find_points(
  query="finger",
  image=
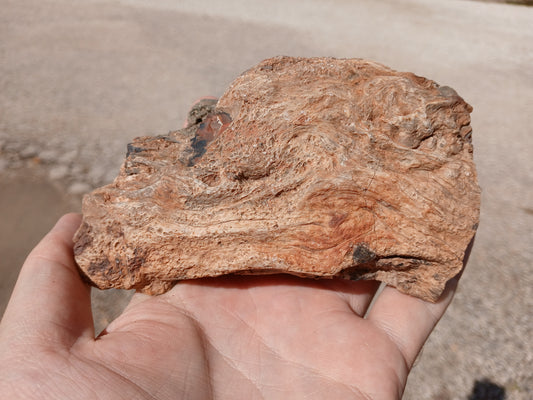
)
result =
(407, 320)
(50, 300)
(358, 295)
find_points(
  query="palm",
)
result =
(257, 337)
(234, 337)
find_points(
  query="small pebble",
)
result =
(13, 147)
(48, 155)
(76, 171)
(79, 188)
(68, 157)
(58, 172)
(29, 151)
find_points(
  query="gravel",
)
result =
(79, 81)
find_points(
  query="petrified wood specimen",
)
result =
(314, 167)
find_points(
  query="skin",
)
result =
(267, 337)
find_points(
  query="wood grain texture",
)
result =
(315, 167)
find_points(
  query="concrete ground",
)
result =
(78, 80)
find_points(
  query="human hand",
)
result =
(231, 337)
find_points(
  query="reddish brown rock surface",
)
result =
(313, 167)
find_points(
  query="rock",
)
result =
(68, 157)
(29, 151)
(200, 110)
(78, 188)
(14, 147)
(58, 172)
(49, 155)
(313, 167)
(77, 170)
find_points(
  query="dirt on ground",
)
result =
(78, 80)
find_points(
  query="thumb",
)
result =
(50, 300)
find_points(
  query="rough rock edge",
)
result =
(411, 273)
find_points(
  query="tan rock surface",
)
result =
(314, 167)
